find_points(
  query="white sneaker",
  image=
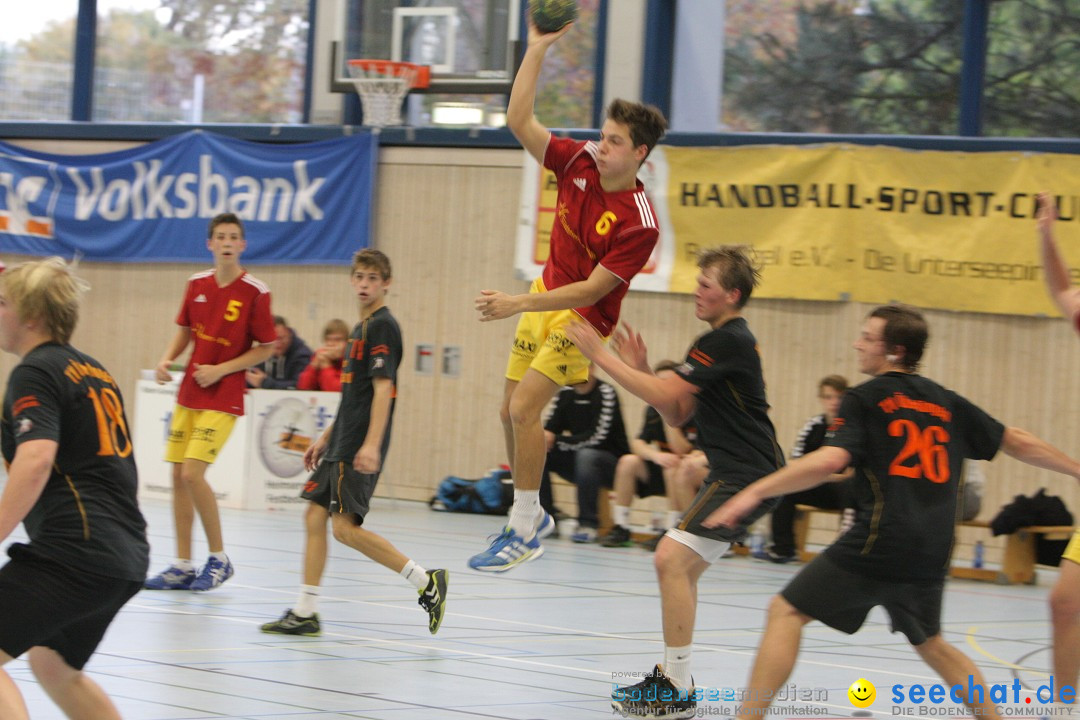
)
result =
(584, 535)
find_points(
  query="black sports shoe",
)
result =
(654, 697)
(780, 558)
(618, 536)
(652, 542)
(292, 624)
(433, 598)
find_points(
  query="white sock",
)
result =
(415, 574)
(220, 556)
(677, 665)
(525, 514)
(307, 602)
(673, 518)
(184, 564)
(621, 515)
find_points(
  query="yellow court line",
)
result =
(970, 636)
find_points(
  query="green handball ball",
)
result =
(551, 15)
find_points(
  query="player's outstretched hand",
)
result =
(1047, 214)
(730, 513)
(585, 338)
(628, 345)
(495, 305)
(546, 39)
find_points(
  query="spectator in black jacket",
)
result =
(831, 495)
(282, 370)
(585, 438)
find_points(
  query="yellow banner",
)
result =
(936, 229)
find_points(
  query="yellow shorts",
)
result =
(541, 344)
(197, 434)
(1072, 550)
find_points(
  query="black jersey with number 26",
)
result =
(908, 437)
(87, 515)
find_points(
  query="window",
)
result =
(843, 66)
(197, 61)
(37, 46)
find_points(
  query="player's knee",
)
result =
(340, 531)
(933, 648)
(50, 669)
(191, 475)
(780, 608)
(344, 527)
(315, 517)
(1064, 606)
(521, 414)
(628, 465)
(666, 561)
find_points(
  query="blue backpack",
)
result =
(492, 494)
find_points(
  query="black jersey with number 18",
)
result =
(908, 438)
(87, 515)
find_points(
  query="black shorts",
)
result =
(653, 484)
(338, 487)
(842, 599)
(56, 606)
(714, 493)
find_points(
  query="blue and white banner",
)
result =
(308, 203)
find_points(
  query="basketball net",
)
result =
(382, 85)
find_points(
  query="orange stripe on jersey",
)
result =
(380, 350)
(24, 403)
(701, 357)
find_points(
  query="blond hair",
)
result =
(45, 291)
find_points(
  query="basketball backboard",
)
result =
(470, 45)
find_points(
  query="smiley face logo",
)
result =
(862, 693)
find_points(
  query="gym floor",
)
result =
(546, 640)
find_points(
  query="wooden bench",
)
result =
(1017, 565)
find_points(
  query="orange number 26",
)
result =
(923, 453)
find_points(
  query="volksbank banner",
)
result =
(948, 230)
(301, 204)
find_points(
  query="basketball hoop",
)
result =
(382, 85)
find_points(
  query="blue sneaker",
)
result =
(213, 573)
(507, 551)
(171, 578)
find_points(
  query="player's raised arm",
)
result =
(519, 112)
(1055, 270)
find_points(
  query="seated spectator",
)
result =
(324, 370)
(831, 495)
(649, 469)
(283, 368)
(585, 438)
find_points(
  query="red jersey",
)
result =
(617, 230)
(225, 323)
